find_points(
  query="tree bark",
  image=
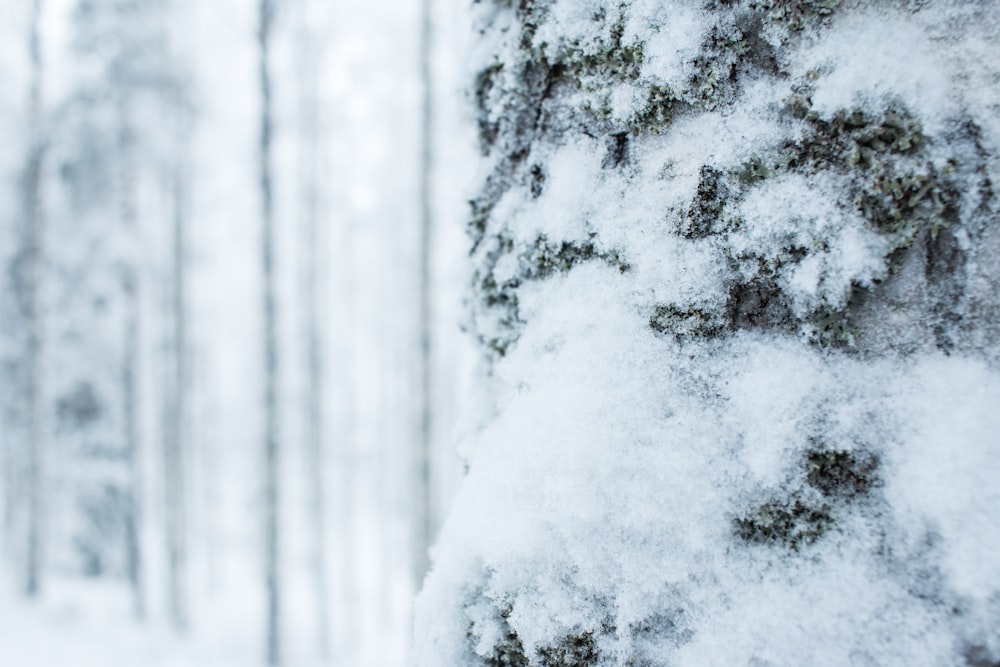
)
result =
(731, 260)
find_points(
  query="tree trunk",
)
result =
(424, 517)
(735, 282)
(28, 286)
(175, 418)
(272, 460)
(131, 357)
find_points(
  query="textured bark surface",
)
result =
(766, 230)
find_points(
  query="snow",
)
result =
(570, 21)
(671, 39)
(906, 67)
(616, 461)
(91, 625)
(944, 483)
(799, 211)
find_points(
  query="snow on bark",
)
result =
(736, 282)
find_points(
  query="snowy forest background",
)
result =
(231, 360)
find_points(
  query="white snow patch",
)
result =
(880, 67)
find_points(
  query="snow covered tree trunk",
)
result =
(27, 284)
(423, 516)
(130, 380)
(178, 451)
(271, 450)
(736, 276)
(175, 449)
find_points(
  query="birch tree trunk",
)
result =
(735, 281)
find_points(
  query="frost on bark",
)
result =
(735, 274)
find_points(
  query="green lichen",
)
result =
(791, 524)
(714, 78)
(509, 651)
(900, 204)
(897, 193)
(893, 185)
(685, 323)
(890, 183)
(481, 208)
(752, 172)
(850, 138)
(541, 259)
(656, 112)
(704, 215)
(758, 303)
(882, 157)
(896, 132)
(536, 261)
(483, 86)
(840, 473)
(834, 479)
(617, 153)
(611, 60)
(794, 13)
(575, 650)
(832, 327)
(753, 303)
